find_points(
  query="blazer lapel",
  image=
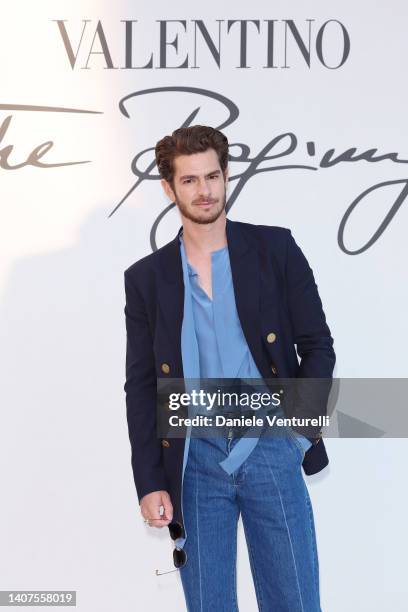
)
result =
(170, 292)
(245, 268)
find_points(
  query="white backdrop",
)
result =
(69, 517)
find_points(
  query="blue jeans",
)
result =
(269, 491)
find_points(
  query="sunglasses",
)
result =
(179, 554)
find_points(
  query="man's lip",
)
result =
(204, 203)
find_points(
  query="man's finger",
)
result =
(168, 507)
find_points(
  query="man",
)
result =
(224, 299)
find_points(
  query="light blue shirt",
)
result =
(222, 347)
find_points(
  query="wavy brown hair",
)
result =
(185, 141)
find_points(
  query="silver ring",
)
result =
(147, 521)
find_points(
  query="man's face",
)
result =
(199, 186)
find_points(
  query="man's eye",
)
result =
(213, 176)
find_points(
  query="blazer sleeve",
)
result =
(141, 395)
(312, 336)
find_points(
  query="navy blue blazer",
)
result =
(275, 291)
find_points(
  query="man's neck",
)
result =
(204, 238)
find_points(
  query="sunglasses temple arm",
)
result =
(159, 573)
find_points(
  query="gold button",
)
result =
(274, 370)
(165, 368)
(271, 337)
(165, 443)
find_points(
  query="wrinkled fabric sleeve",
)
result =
(141, 395)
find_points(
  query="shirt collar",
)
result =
(191, 271)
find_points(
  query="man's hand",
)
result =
(150, 505)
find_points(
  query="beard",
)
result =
(202, 217)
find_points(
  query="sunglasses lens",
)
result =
(179, 557)
(176, 531)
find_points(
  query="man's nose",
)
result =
(204, 187)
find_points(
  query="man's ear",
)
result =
(168, 190)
